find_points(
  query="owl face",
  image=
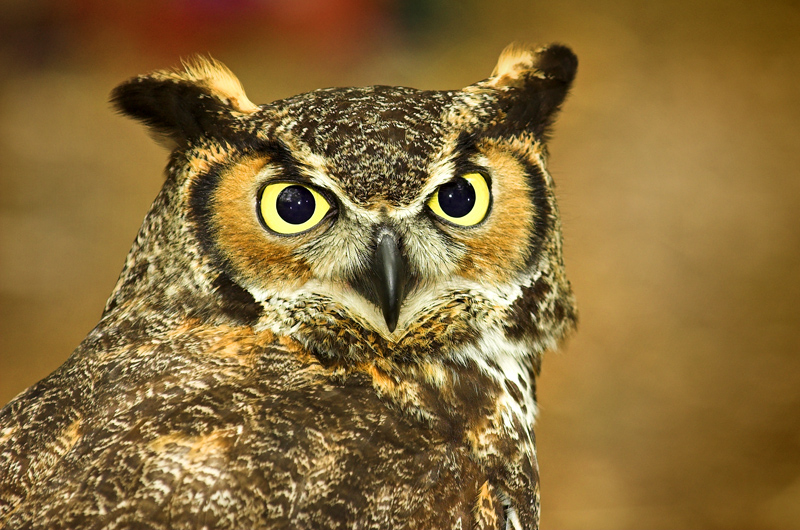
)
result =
(361, 220)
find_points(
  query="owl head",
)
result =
(367, 221)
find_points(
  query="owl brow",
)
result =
(279, 154)
(466, 143)
(465, 153)
(462, 159)
(307, 168)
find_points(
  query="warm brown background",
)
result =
(677, 405)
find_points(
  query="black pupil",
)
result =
(295, 204)
(457, 198)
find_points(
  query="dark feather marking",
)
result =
(236, 302)
(514, 391)
(523, 309)
(543, 212)
(531, 104)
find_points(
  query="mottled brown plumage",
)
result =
(376, 369)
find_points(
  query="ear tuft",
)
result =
(555, 62)
(182, 105)
(532, 84)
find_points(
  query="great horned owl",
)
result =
(333, 316)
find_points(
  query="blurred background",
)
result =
(677, 404)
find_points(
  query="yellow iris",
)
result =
(463, 201)
(291, 208)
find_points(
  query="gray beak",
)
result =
(389, 274)
(385, 283)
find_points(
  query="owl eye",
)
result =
(290, 208)
(463, 201)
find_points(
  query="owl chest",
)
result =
(345, 445)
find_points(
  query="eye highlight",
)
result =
(463, 201)
(290, 208)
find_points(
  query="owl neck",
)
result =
(479, 393)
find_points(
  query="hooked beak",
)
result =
(385, 283)
(389, 271)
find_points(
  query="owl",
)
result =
(333, 316)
